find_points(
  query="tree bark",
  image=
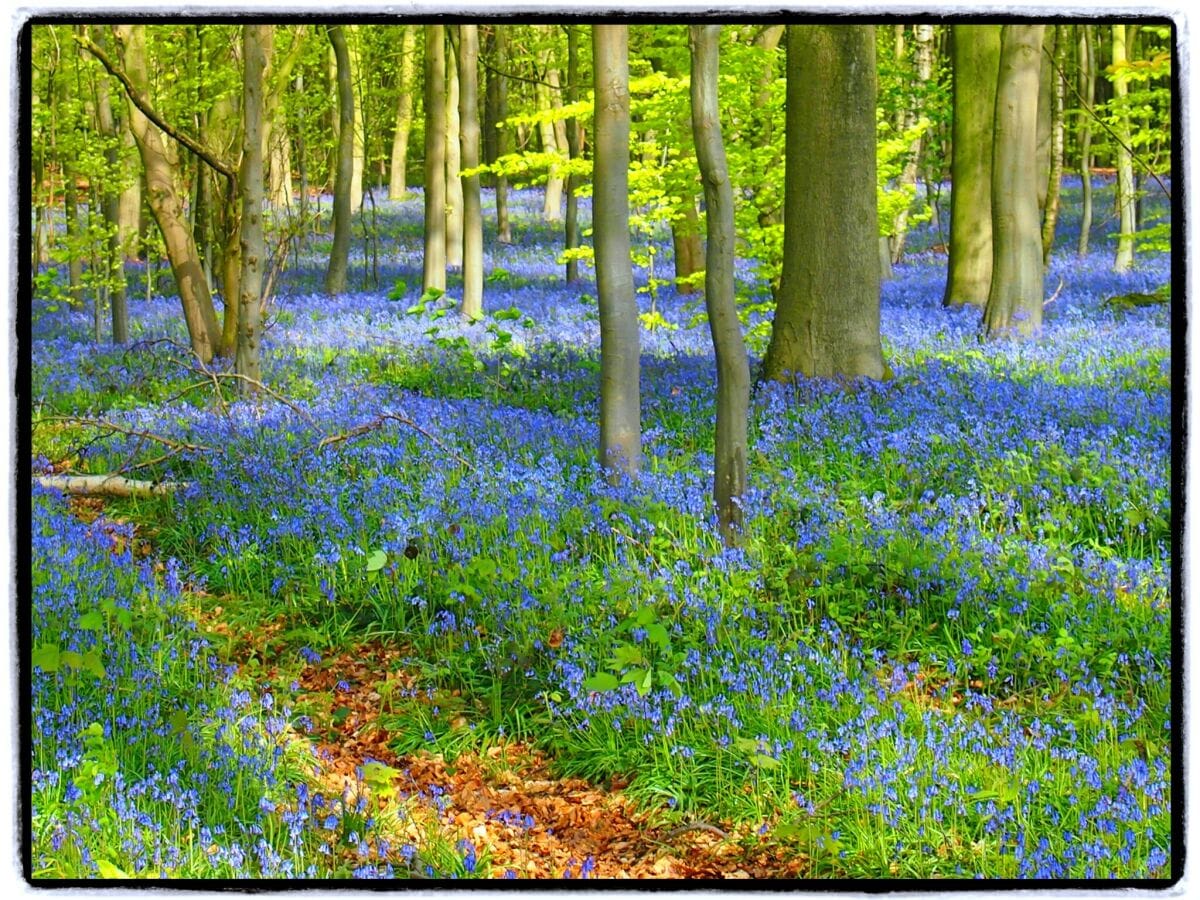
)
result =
(1053, 188)
(571, 237)
(198, 312)
(434, 270)
(1087, 90)
(733, 368)
(256, 51)
(620, 351)
(503, 227)
(1015, 296)
(468, 85)
(398, 171)
(976, 61)
(1125, 183)
(343, 201)
(923, 38)
(108, 485)
(827, 307)
(454, 185)
(119, 296)
(552, 199)
(357, 126)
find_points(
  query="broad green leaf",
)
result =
(45, 657)
(91, 621)
(70, 659)
(376, 560)
(601, 682)
(94, 663)
(657, 634)
(108, 870)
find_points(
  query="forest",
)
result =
(489, 449)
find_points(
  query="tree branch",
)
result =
(143, 104)
(108, 485)
(381, 420)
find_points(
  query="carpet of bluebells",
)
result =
(943, 648)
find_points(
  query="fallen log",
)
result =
(108, 485)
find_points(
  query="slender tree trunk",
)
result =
(398, 172)
(1087, 90)
(358, 126)
(827, 308)
(256, 51)
(923, 38)
(434, 273)
(1015, 298)
(552, 200)
(198, 311)
(688, 248)
(468, 85)
(733, 368)
(1058, 74)
(111, 201)
(130, 211)
(343, 190)
(73, 243)
(454, 185)
(976, 58)
(620, 351)
(572, 227)
(1125, 182)
(503, 228)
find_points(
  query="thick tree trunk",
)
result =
(434, 271)
(827, 308)
(454, 185)
(620, 351)
(468, 79)
(256, 51)
(1125, 183)
(398, 171)
(1058, 75)
(733, 368)
(1087, 90)
(343, 191)
(165, 205)
(976, 59)
(1015, 298)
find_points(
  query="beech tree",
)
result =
(468, 55)
(256, 50)
(827, 306)
(1015, 295)
(975, 51)
(339, 255)
(733, 368)
(434, 273)
(620, 349)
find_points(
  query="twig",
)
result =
(262, 387)
(380, 420)
(695, 826)
(177, 446)
(1054, 296)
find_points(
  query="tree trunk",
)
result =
(975, 53)
(343, 190)
(1087, 90)
(357, 126)
(1015, 296)
(923, 38)
(256, 51)
(468, 85)
(434, 271)
(112, 212)
(130, 211)
(620, 351)
(733, 368)
(198, 311)
(503, 228)
(1125, 183)
(1045, 105)
(1058, 74)
(827, 308)
(552, 200)
(398, 172)
(454, 185)
(688, 248)
(571, 237)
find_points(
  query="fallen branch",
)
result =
(108, 485)
(1057, 291)
(382, 419)
(177, 446)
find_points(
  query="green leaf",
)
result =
(70, 659)
(45, 657)
(601, 682)
(657, 634)
(108, 870)
(92, 662)
(91, 621)
(762, 761)
(376, 560)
